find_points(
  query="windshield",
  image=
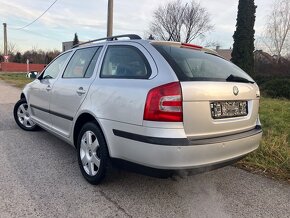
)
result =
(192, 65)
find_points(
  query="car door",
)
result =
(70, 90)
(40, 90)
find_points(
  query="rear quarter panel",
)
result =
(123, 100)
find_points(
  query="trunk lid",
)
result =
(197, 114)
(219, 98)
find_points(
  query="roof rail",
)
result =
(111, 38)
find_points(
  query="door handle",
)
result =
(81, 91)
(48, 88)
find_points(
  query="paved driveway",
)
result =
(39, 176)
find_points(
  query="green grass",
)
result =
(273, 156)
(17, 79)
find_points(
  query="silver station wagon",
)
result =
(162, 105)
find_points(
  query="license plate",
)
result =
(227, 109)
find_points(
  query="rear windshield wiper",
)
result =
(233, 78)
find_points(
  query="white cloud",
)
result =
(88, 19)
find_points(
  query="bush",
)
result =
(276, 88)
(260, 79)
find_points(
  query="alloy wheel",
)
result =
(24, 116)
(89, 153)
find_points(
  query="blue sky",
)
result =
(88, 19)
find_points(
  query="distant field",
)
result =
(273, 156)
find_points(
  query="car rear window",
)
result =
(194, 65)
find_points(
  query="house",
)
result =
(259, 55)
(225, 53)
(263, 57)
(67, 45)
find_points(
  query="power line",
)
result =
(20, 28)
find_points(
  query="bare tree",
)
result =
(196, 21)
(167, 21)
(211, 44)
(277, 32)
(34, 48)
(12, 49)
(176, 21)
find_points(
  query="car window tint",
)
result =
(92, 65)
(192, 65)
(55, 67)
(79, 63)
(125, 62)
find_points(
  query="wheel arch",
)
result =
(81, 120)
(22, 96)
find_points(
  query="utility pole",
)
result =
(110, 18)
(5, 40)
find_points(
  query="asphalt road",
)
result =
(39, 177)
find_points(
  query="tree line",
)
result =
(36, 56)
(33, 55)
(39, 56)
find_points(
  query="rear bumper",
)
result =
(186, 141)
(184, 153)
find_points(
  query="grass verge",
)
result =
(16, 79)
(273, 156)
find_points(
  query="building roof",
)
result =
(264, 56)
(225, 53)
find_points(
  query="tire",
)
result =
(22, 116)
(93, 155)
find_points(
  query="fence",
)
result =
(17, 67)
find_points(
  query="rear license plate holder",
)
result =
(228, 109)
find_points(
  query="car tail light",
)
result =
(164, 103)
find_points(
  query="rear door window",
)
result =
(124, 61)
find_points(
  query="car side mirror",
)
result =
(39, 76)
